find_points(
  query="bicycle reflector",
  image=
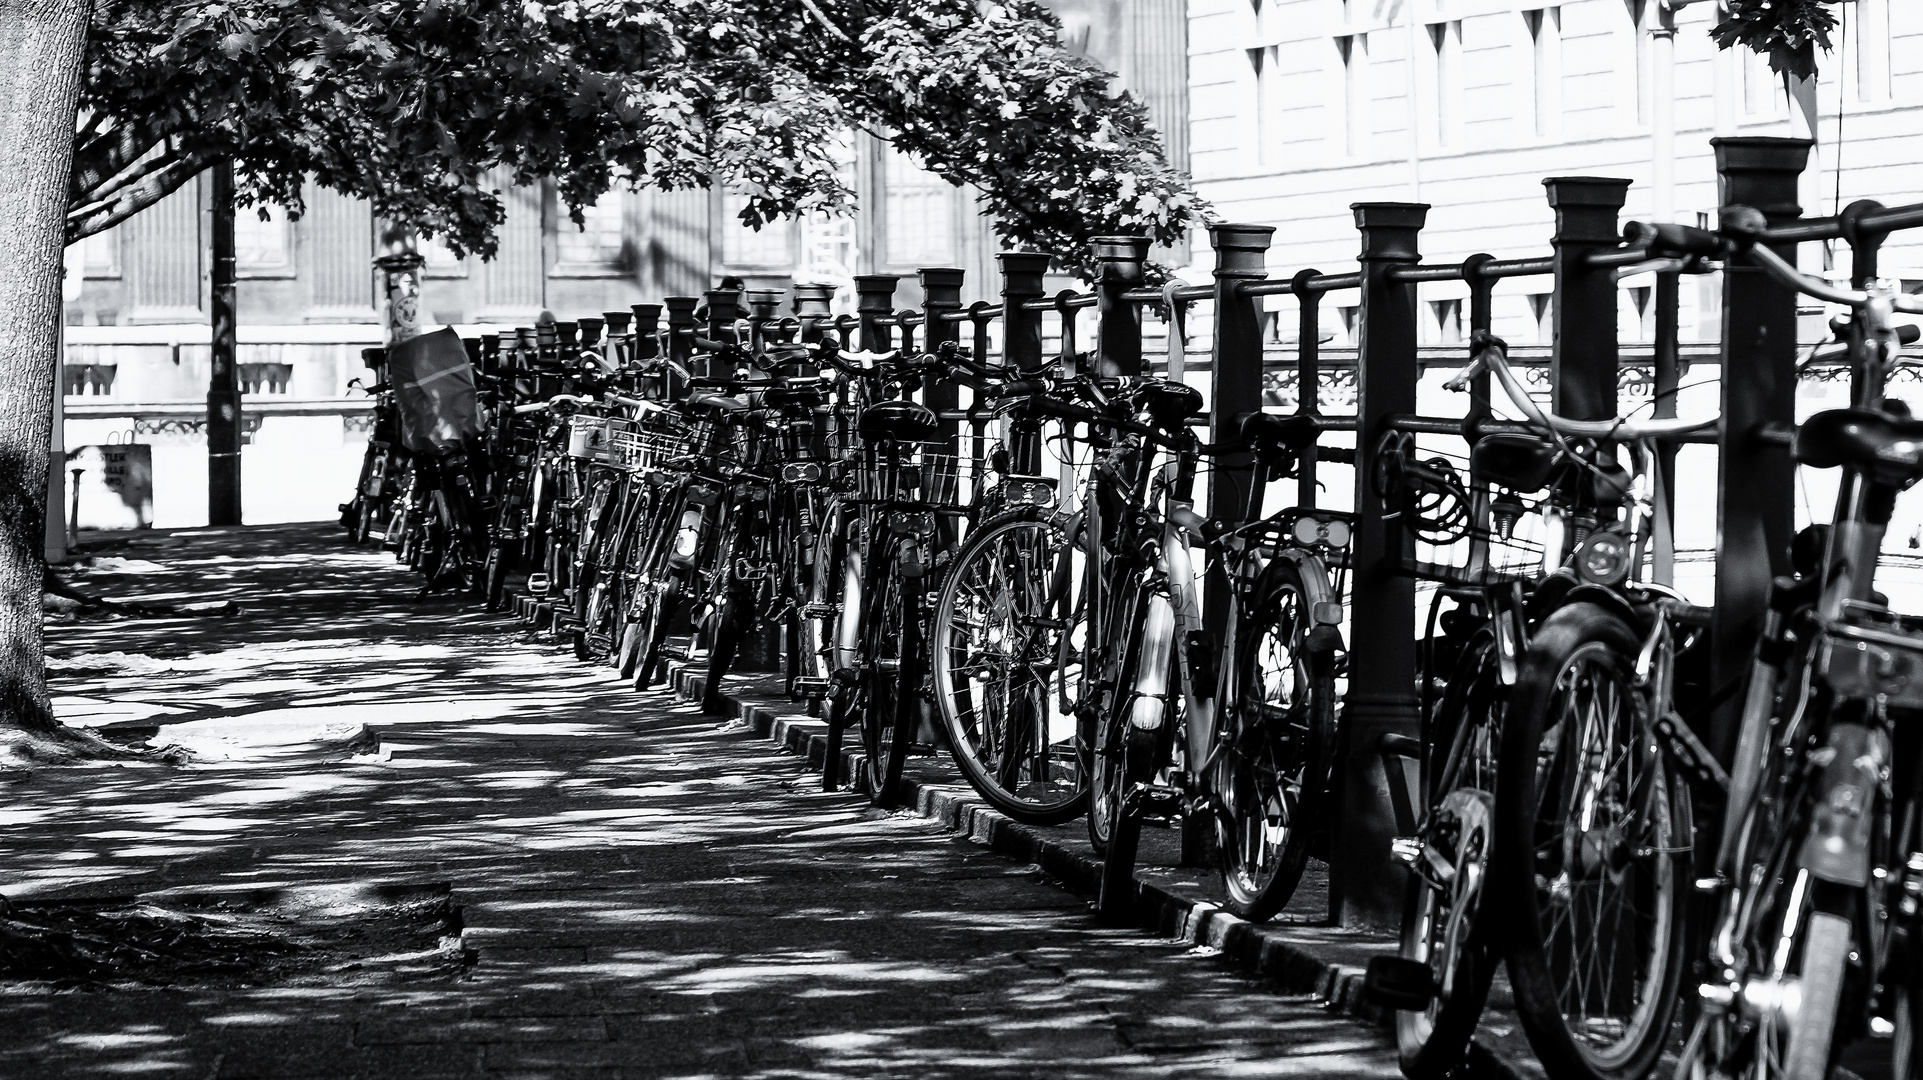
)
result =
(1603, 559)
(1310, 531)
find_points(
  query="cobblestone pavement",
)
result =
(644, 892)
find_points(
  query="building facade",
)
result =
(1301, 107)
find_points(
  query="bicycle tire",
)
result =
(1115, 901)
(1105, 739)
(887, 696)
(1583, 656)
(979, 606)
(1271, 748)
(1431, 1043)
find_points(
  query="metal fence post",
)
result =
(1365, 886)
(941, 288)
(1118, 337)
(812, 305)
(1022, 330)
(724, 307)
(1582, 364)
(1754, 478)
(874, 301)
(681, 326)
(1241, 258)
(647, 325)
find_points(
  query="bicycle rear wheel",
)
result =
(1594, 837)
(1441, 924)
(1005, 625)
(889, 680)
(1274, 759)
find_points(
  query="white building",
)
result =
(1300, 107)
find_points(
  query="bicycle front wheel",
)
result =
(1278, 741)
(1594, 836)
(1006, 624)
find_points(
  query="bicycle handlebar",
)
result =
(1492, 352)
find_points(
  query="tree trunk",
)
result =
(42, 46)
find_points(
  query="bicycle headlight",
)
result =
(1603, 559)
(1310, 531)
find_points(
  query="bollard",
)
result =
(724, 307)
(1365, 886)
(647, 330)
(813, 304)
(681, 325)
(761, 305)
(1241, 253)
(875, 301)
(1583, 357)
(1118, 334)
(1235, 390)
(1022, 273)
(941, 288)
(1754, 478)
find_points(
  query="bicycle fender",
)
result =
(1842, 815)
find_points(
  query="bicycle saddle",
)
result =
(1168, 404)
(1521, 463)
(899, 421)
(1270, 433)
(1889, 448)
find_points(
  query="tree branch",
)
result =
(133, 199)
(99, 160)
(146, 166)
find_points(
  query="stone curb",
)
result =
(1259, 950)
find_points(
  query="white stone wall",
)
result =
(1295, 144)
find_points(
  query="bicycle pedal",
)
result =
(1393, 982)
(819, 611)
(677, 650)
(1406, 850)
(537, 584)
(808, 687)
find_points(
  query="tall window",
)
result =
(100, 254)
(1353, 52)
(771, 248)
(1763, 91)
(1866, 34)
(918, 213)
(1265, 64)
(599, 243)
(1442, 64)
(1544, 29)
(441, 260)
(261, 247)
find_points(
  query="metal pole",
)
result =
(1022, 330)
(1755, 515)
(223, 376)
(875, 300)
(1118, 338)
(1582, 364)
(1365, 886)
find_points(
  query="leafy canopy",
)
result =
(412, 105)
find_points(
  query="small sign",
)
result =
(115, 486)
